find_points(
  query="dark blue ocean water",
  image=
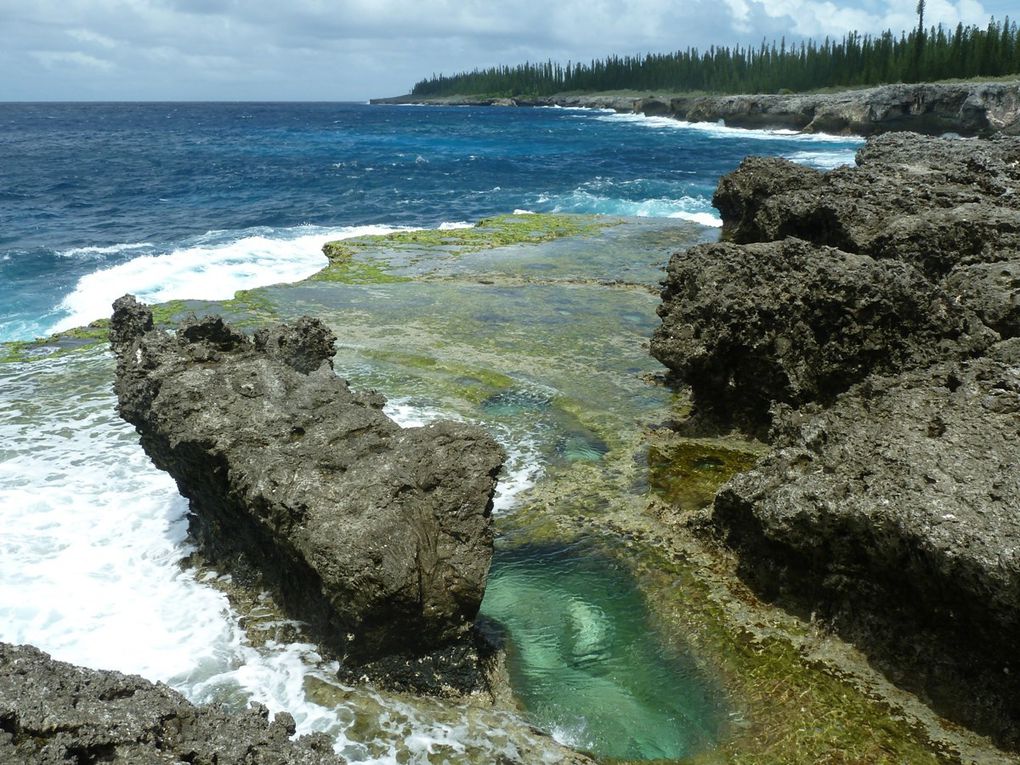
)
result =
(197, 200)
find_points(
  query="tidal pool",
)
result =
(585, 662)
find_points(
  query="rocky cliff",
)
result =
(865, 322)
(378, 538)
(968, 109)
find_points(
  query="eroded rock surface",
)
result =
(54, 713)
(865, 322)
(895, 515)
(788, 321)
(378, 537)
(911, 257)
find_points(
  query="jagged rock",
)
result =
(870, 316)
(934, 109)
(378, 537)
(970, 109)
(895, 515)
(53, 713)
(748, 326)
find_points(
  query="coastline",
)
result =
(968, 109)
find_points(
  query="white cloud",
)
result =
(70, 59)
(337, 49)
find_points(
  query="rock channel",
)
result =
(378, 538)
(866, 321)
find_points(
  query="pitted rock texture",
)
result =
(53, 713)
(936, 220)
(378, 538)
(749, 325)
(894, 514)
(866, 322)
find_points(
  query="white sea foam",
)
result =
(96, 252)
(454, 225)
(586, 200)
(823, 160)
(719, 130)
(210, 267)
(93, 536)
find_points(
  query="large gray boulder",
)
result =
(378, 538)
(935, 202)
(866, 322)
(747, 326)
(894, 515)
(54, 713)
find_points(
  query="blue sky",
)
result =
(356, 49)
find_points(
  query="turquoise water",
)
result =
(586, 663)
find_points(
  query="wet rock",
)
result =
(378, 537)
(53, 712)
(748, 326)
(893, 514)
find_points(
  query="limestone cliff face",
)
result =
(378, 537)
(969, 109)
(866, 322)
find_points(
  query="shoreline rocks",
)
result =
(378, 538)
(864, 322)
(969, 109)
(54, 712)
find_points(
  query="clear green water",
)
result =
(586, 664)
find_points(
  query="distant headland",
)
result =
(965, 108)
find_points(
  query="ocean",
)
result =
(197, 201)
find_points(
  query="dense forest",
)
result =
(920, 56)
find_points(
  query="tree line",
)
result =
(855, 60)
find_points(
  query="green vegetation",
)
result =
(856, 60)
(498, 231)
(59, 344)
(349, 262)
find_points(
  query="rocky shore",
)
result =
(968, 109)
(378, 538)
(54, 712)
(866, 323)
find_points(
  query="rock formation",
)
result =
(378, 538)
(968, 109)
(53, 712)
(865, 321)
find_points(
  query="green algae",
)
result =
(687, 473)
(58, 344)
(486, 234)
(357, 272)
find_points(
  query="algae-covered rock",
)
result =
(379, 538)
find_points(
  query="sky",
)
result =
(352, 50)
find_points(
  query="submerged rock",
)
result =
(53, 712)
(865, 321)
(378, 537)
